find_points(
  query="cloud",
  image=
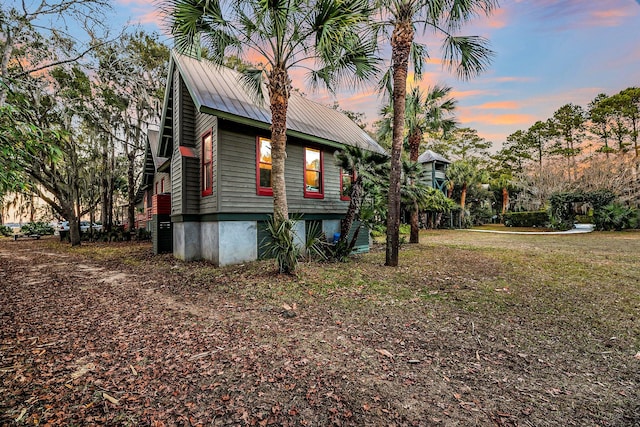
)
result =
(462, 94)
(498, 105)
(466, 116)
(498, 19)
(573, 14)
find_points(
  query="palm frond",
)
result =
(252, 80)
(468, 56)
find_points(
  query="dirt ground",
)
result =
(111, 335)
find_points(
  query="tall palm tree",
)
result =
(281, 35)
(468, 55)
(426, 113)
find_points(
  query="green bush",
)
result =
(405, 229)
(6, 231)
(143, 234)
(279, 244)
(584, 219)
(41, 228)
(615, 217)
(526, 219)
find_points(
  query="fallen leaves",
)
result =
(384, 352)
(110, 398)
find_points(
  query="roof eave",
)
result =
(266, 126)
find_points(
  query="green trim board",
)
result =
(247, 217)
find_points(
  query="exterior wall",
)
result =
(157, 179)
(435, 172)
(185, 171)
(234, 242)
(205, 123)
(237, 178)
(186, 241)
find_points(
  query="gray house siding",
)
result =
(205, 123)
(191, 179)
(237, 178)
(176, 181)
(187, 111)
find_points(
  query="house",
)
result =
(215, 137)
(435, 166)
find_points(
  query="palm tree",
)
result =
(281, 35)
(368, 170)
(467, 55)
(430, 113)
(461, 173)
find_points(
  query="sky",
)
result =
(547, 53)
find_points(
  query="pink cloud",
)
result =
(461, 94)
(498, 19)
(498, 105)
(496, 119)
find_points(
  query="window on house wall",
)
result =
(263, 167)
(162, 185)
(346, 180)
(313, 173)
(156, 188)
(207, 164)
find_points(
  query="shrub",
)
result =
(5, 231)
(615, 217)
(405, 229)
(143, 234)
(279, 244)
(316, 246)
(41, 228)
(584, 219)
(526, 219)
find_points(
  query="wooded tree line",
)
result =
(74, 114)
(577, 149)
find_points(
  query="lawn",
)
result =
(471, 329)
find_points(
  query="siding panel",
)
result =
(204, 123)
(237, 158)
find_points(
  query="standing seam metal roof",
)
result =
(219, 89)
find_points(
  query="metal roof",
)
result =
(430, 156)
(218, 88)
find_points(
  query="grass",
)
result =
(501, 227)
(538, 312)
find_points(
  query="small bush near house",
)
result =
(5, 231)
(41, 228)
(280, 244)
(616, 217)
(526, 219)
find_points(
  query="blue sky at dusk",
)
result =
(547, 53)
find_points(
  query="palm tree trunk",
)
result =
(414, 236)
(279, 89)
(505, 201)
(401, 45)
(352, 211)
(463, 200)
(414, 153)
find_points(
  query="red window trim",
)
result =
(162, 185)
(312, 194)
(206, 191)
(353, 178)
(262, 191)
